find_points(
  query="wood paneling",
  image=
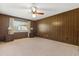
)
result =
(20, 35)
(3, 27)
(63, 27)
(34, 29)
(4, 24)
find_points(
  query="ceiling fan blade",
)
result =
(40, 13)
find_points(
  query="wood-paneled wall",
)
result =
(62, 27)
(3, 27)
(34, 29)
(20, 35)
(4, 24)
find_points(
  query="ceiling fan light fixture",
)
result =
(33, 15)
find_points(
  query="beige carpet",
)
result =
(37, 47)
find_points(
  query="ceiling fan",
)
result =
(36, 11)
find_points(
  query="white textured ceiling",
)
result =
(23, 9)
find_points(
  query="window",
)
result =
(20, 26)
